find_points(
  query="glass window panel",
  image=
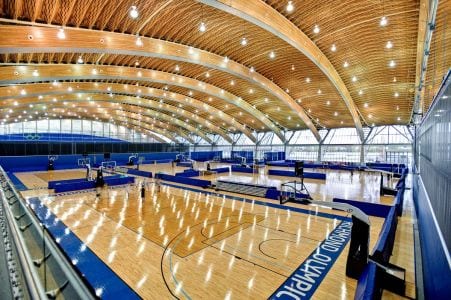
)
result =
(86, 126)
(66, 126)
(342, 136)
(338, 153)
(29, 127)
(76, 126)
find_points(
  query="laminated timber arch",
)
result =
(88, 41)
(149, 130)
(59, 72)
(264, 16)
(123, 117)
(99, 88)
(140, 103)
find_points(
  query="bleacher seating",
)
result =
(243, 188)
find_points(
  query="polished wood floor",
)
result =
(195, 246)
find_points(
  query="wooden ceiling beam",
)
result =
(70, 72)
(101, 99)
(43, 89)
(263, 15)
(147, 127)
(89, 41)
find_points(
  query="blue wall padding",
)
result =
(310, 175)
(433, 251)
(372, 209)
(368, 284)
(384, 246)
(51, 184)
(387, 167)
(184, 180)
(221, 170)
(272, 194)
(97, 274)
(185, 164)
(140, 173)
(274, 156)
(82, 184)
(249, 155)
(40, 162)
(75, 186)
(188, 173)
(112, 180)
(205, 155)
(240, 169)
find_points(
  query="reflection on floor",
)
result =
(192, 245)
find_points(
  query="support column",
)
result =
(319, 153)
(362, 153)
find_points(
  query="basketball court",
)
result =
(191, 243)
(225, 149)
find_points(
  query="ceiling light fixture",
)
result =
(333, 48)
(392, 64)
(290, 6)
(316, 29)
(345, 64)
(389, 45)
(61, 35)
(134, 12)
(384, 21)
(139, 41)
(202, 27)
(272, 55)
(80, 60)
(243, 41)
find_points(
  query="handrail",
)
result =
(35, 290)
(33, 281)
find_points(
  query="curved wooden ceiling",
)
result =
(287, 77)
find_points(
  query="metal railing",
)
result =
(39, 269)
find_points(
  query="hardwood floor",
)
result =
(191, 245)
